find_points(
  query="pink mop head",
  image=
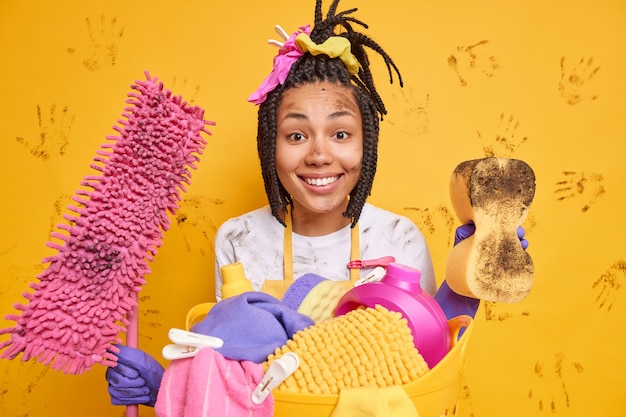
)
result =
(81, 303)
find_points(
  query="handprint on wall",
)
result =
(186, 89)
(550, 392)
(580, 185)
(438, 221)
(574, 84)
(609, 283)
(506, 140)
(493, 312)
(104, 39)
(54, 133)
(414, 110)
(149, 318)
(191, 217)
(469, 59)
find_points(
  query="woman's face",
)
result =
(319, 146)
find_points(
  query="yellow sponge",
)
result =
(365, 347)
(496, 194)
(320, 303)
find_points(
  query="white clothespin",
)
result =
(186, 344)
(278, 371)
(376, 275)
(282, 34)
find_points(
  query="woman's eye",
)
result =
(296, 136)
(341, 135)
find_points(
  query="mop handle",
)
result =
(132, 340)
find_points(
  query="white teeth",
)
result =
(321, 181)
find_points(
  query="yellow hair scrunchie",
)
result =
(334, 47)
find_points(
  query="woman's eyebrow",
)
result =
(340, 113)
(295, 115)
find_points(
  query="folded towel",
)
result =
(209, 385)
(252, 325)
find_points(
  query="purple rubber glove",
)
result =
(521, 233)
(465, 231)
(136, 378)
(453, 304)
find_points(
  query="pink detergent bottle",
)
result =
(399, 290)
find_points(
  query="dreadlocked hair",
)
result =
(311, 69)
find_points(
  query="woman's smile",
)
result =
(321, 182)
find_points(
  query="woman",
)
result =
(317, 143)
(318, 128)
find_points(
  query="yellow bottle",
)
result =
(234, 281)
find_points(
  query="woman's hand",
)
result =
(136, 378)
(465, 231)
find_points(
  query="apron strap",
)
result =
(288, 247)
(355, 252)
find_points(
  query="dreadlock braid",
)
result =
(310, 69)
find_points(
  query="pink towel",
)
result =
(209, 385)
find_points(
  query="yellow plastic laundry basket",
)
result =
(435, 394)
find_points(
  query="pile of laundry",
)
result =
(251, 343)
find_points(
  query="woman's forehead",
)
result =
(330, 94)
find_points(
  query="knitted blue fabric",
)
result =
(252, 325)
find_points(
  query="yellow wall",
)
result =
(539, 81)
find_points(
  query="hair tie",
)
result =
(334, 47)
(293, 48)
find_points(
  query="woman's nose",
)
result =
(319, 153)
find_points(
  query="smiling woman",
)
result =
(530, 94)
(317, 141)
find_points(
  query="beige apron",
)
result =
(277, 287)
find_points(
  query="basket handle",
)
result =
(457, 324)
(196, 311)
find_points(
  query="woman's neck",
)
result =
(307, 223)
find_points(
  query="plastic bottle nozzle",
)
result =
(234, 281)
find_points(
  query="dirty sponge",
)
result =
(496, 194)
(365, 347)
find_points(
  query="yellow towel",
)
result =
(374, 402)
(367, 347)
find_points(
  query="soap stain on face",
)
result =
(609, 284)
(54, 133)
(574, 185)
